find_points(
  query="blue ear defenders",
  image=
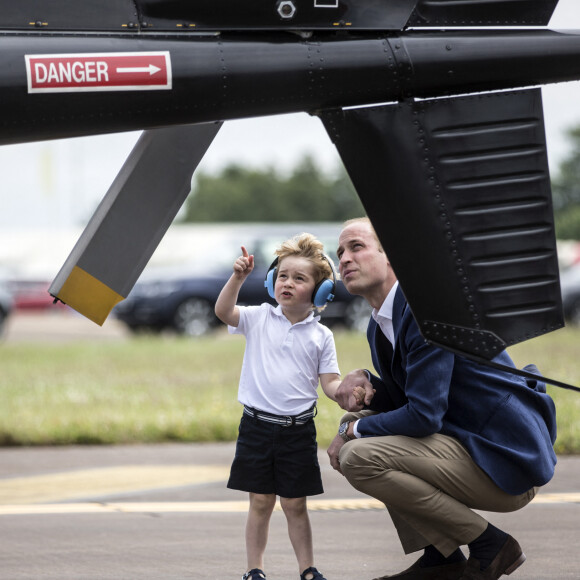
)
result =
(323, 291)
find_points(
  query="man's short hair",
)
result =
(364, 220)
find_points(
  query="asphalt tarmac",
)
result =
(164, 512)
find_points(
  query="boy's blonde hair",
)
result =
(308, 246)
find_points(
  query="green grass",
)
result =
(557, 355)
(154, 389)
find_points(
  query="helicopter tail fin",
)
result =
(131, 220)
(458, 190)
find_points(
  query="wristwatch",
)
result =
(343, 432)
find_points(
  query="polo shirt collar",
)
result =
(310, 318)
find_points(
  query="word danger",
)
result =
(98, 72)
(67, 72)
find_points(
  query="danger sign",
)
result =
(126, 71)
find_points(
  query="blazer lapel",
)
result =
(386, 359)
(399, 307)
(381, 350)
(383, 345)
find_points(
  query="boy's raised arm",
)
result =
(225, 306)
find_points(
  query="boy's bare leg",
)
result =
(257, 528)
(299, 530)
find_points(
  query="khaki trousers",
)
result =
(430, 486)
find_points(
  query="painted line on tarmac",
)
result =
(353, 504)
(47, 493)
(543, 498)
(86, 483)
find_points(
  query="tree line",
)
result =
(240, 194)
(566, 191)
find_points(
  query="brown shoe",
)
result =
(443, 572)
(507, 560)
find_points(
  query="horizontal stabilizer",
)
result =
(466, 13)
(282, 15)
(222, 15)
(459, 193)
(131, 220)
(187, 16)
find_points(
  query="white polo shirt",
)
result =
(282, 361)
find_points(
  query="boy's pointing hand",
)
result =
(244, 265)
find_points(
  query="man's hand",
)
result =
(333, 452)
(349, 393)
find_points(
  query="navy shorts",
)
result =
(273, 459)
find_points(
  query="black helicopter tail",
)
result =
(458, 191)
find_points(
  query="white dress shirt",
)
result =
(384, 318)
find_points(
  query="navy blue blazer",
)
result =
(507, 424)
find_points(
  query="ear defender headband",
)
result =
(323, 291)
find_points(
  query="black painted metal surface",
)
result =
(459, 193)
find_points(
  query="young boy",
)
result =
(287, 352)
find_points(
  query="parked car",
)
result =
(181, 297)
(6, 301)
(570, 286)
(32, 295)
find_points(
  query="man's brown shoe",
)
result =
(443, 572)
(507, 560)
